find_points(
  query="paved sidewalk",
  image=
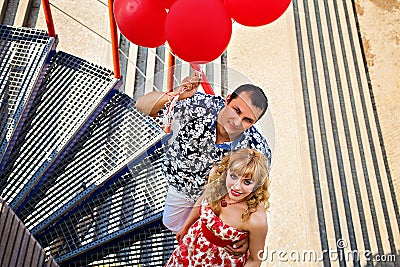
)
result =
(269, 57)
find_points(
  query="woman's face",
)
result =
(238, 187)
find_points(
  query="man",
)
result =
(210, 127)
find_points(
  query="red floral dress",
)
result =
(203, 244)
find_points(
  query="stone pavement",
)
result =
(343, 177)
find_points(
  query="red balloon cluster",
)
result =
(141, 21)
(198, 31)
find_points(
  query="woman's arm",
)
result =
(193, 216)
(258, 230)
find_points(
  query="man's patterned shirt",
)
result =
(193, 152)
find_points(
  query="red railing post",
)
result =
(171, 72)
(114, 40)
(49, 18)
(113, 28)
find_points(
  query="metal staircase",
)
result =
(81, 168)
(79, 165)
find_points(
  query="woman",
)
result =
(232, 207)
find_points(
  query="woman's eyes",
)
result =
(247, 182)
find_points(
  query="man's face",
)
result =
(237, 116)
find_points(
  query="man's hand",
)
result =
(238, 248)
(190, 84)
(152, 102)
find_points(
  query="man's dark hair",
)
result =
(258, 97)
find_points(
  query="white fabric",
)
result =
(176, 210)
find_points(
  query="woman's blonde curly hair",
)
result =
(246, 162)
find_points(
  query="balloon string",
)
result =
(169, 111)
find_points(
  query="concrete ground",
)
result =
(268, 56)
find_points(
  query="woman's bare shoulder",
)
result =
(258, 219)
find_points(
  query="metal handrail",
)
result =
(113, 27)
(49, 18)
(114, 40)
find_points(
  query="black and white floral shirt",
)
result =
(192, 153)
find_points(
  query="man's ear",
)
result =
(227, 99)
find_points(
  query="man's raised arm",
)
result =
(151, 103)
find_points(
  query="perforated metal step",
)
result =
(23, 54)
(71, 94)
(152, 247)
(115, 141)
(130, 204)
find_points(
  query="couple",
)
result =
(210, 128)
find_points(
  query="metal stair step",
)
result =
(72, 93)
(23, 57)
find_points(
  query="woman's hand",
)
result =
(180, 234)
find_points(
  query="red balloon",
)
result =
(141, 21)
(256, 12)
(168, 3)
(198, 31)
